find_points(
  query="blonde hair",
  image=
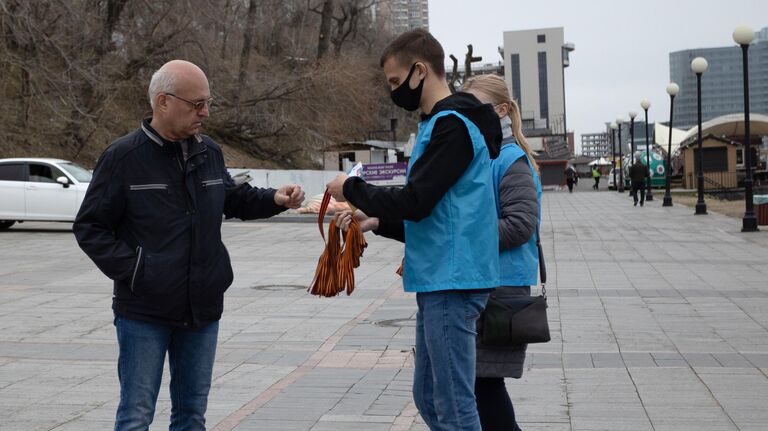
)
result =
(495, 87)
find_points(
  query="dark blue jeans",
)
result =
(444, 375)
(140, 369)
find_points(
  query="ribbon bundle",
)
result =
(336, 267)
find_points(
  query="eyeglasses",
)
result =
(197, 106)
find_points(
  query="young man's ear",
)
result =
(421, 70)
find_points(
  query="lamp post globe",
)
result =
(673, 89)
(699, 65)
(743, 35)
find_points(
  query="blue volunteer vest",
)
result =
(456, 246)
(519, 265)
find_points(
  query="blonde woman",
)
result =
(518, 197)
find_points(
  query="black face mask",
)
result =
(406, 97)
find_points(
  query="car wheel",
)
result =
(5, 224)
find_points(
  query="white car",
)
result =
(40, 190)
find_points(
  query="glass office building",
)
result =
(722, 90)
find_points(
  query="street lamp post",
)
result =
(613, 151)
(632, 115)
(565, 51)
(620, 187)
(645, 104)
(699, 66)
(672, 90)
(743, 35)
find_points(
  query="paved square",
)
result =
(659, 321)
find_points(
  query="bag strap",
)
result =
(542, 265)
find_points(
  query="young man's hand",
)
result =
(343, 219)
(289, 196)
(336, 187)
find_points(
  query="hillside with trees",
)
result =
(289, 77)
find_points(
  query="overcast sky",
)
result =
(622, 48)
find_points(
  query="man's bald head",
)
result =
(171, 75)
(180, 99)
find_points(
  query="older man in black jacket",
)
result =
(151, 221)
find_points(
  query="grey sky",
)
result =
(622, 48)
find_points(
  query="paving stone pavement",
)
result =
(659, 321)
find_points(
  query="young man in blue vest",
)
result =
(446, 215)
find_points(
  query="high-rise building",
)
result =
(722, 85)
(403, 15)
(534, 63)
(533, 68)
(595, 145)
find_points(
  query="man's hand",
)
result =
(336, 187)
(343, 219)
(289, 196)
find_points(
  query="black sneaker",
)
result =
(635, 203)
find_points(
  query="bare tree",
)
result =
(326, 19)
(245, 55)
(468, 60)
(74, 73)
(347, 21)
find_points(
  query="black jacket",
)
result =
(152, 223)
(638, 173)
(444, 161)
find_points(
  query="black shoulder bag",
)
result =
(513, 320)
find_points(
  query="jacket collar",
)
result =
(196, 144)
(152, 133)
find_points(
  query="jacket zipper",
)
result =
(190, 210)
(139, 251)
(183, 169)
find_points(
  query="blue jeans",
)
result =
(444, 378)
(140, 369)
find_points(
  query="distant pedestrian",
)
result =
(571, 177)
(596, 175)
(638, 172)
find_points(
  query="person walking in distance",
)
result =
(570, 177)
(596, 175)
(638, 173)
